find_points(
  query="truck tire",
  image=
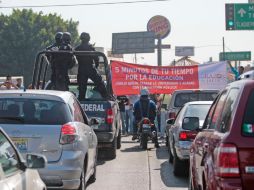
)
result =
(112, 151)
(119, 139)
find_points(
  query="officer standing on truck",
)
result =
(63, 62)
(88, 68)
(51, 58)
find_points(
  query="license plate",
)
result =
(249, 169)
(20, 143)
(145, 126)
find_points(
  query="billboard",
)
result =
(184, 51)
(133, 42)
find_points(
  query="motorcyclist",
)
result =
(145, 107)
(88, 68)
(54, 47)
(63, 62)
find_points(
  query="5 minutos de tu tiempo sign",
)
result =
(160, 25)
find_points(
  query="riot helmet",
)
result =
(66, 38)
(58, 37)
(84, 37)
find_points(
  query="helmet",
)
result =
(58, 37)
(144, 92)
(66, 37)
(85, 36)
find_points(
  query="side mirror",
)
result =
(170, 121)
(35, 161)
(190, 123)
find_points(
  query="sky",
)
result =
(198, 23)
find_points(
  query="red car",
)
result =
(222, 154)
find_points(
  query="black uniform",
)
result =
(62, 63)
(51, 56)
(88, 69)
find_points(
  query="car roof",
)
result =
(196, 90)
(199, 103)
(62, 96)
(242, 84)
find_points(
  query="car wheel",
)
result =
(179, 166)
(171, 157)
(112, 150)
(82, 185)
(119, 139)
(93, 177)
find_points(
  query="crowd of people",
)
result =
(8, 84)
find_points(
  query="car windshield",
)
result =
(33, 111)
(197, 110)
(183, 98)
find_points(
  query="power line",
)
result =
(82, 4)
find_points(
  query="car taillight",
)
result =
(227, 161)
(110, 116)
(172, 115)
(68, 134)
(187, 135)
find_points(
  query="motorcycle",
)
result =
(145, 132)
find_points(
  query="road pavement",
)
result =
(137, 169)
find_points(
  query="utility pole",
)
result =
(223, 44)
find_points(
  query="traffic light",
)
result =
(230, 17)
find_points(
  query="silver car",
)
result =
(182, 132)
(52, 123)
(15, 173)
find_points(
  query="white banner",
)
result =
(212, 75)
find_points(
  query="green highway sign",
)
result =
(235, 56)
(240, 16)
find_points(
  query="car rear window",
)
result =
(183, 98)
(197, 110)
(248, 122)
(92, 92)
(31, 111)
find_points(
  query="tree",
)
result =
(23, 34)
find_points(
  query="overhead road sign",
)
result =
(235, 56)
(184, 51)
(240, 16)
(133, 42)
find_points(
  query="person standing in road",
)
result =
(88, 68)
(122, 102)
(63, 62)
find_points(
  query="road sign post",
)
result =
(240, 16)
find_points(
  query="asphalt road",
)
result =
(136, 169)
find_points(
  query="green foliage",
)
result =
(23, 34)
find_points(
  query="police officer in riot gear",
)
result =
(63, 62)
(51, 56)
(88, 68)
(58, 41)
